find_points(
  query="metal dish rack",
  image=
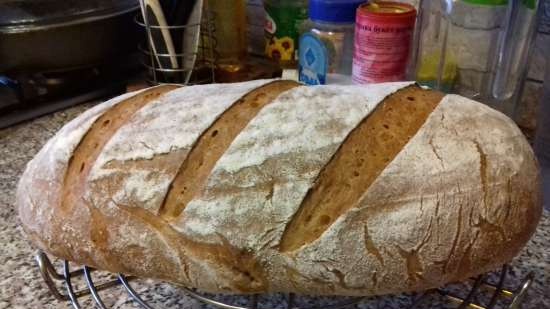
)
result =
(480, 285)
(203, 70)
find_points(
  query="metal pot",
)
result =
(55, 35)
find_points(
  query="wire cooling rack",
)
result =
(480, 286)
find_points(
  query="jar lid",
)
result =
(334, 11)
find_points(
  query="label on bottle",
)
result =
(313, 60)
(382, 47)
(282, 31)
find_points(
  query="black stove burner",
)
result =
(28, 95)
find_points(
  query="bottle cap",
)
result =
(334, 11)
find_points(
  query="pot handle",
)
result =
(10, 91)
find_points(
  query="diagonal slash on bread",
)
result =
(269, 186)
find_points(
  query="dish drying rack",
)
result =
(205, 56)
(479, 285)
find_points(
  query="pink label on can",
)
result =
(382, 48)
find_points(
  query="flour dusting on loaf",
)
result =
(459, 196)
(39, 188)
(167, 127)
(304, 119)
(173, 122)
(428, 224)
(254, 186)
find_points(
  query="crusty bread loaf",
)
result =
(269, 186)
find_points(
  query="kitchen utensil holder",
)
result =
(479, 285)
(203, 70)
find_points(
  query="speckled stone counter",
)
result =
(22, 287)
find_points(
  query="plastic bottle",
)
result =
(282, 29)
(326, 45)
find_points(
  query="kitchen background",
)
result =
(22, 287)
(13, 67)
(537, 64)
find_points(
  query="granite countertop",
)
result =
(22, 287)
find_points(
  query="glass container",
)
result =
(476, 48)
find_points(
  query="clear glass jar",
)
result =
(477, 48)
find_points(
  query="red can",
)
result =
(383, 35)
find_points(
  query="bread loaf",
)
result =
(269, 186)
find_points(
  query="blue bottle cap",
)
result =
(334, 11)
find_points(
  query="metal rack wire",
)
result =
(495, 292)
(203, 70)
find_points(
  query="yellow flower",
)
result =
(274, 52)
(286, 43)
(280, 49)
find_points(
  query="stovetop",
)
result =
(26, 95)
